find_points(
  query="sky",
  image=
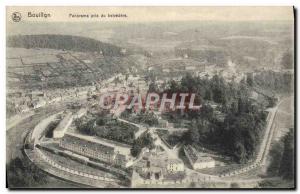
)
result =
(156, 14)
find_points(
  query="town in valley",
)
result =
(59, 135)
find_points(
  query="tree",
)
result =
(140, 143)
(206, 111)
(100, 121)
(240, 152)
(22, 173)
(234, 185)
(208, 95)
(174, 87)
(275, 159)
(249, 79)
(135, 150)
(153, 87)
(287, 163)
(272, 101)
(194, 133)
(239, 132)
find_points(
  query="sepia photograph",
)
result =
(141, 97)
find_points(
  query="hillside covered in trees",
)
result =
(233, 128)
(63, 42)
(282, 157)
(21, 173)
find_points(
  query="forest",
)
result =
(238, 134)
(63, 42)
(282, 157)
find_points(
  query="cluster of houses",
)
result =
(126, 84)
(24, 101)
(155, 165)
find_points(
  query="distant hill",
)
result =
(63, 42)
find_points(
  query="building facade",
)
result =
(96, 149)
(86, 148)
(174, 165)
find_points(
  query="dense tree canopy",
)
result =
(141, 142)
(234, 126)
(282, 160)
(144, 117)
(107, 128)
(286, 169)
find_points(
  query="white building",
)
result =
(98, 148)
(197, 160)
(190, 67)
(204, 162)
(174, 165)
(38, 103)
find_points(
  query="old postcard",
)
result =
(150, 97)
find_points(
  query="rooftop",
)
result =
(85, 143)
(196, 156)
(64, 122)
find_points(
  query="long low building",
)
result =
(198, 160)
(97, 148)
